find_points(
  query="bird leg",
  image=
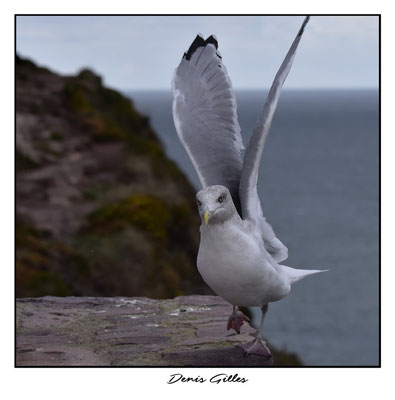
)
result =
(236, 320)
(258, 345)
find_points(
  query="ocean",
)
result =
(319, 186)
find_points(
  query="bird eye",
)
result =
(221, 199)
(199, 203)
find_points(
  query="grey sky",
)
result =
(142, 52)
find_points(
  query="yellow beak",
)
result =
(207, 216)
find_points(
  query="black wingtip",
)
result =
(305, 21)
(213, 40)
(200, 42)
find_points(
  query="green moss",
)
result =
(133, 240)
(76, 98)
(105, 130)
(101, 130)
(45, 266)
(171, 282)
(117, 104)
(145, 212)
(108, 114)
(33, 259)
(28, 237)
(163, 280)
(137, 258)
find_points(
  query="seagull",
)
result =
(239, 253)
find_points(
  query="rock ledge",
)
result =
(138, 331)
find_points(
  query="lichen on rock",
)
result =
(89, 331)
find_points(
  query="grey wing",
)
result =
(205, 116)
(250, 203)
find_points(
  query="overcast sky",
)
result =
(142, 52)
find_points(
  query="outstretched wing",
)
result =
(250, 203)
(204, 112)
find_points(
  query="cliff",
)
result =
(100, 209)
(138, 331)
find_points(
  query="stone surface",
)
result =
(90, 331)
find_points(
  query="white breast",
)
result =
(235, 265)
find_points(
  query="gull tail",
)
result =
(293, 275)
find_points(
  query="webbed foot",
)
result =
(257, 346)
(236, 320)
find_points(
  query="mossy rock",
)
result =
(45, 265)
(146, 212)
(142, 237)
(76, 98)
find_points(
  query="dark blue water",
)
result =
(319, 184)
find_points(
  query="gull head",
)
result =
(215, 204)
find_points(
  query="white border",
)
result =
(104, 383)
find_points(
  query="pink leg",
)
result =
(258, 345)
(236, 320)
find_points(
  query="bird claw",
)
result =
(258, 346)
(236, 320)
